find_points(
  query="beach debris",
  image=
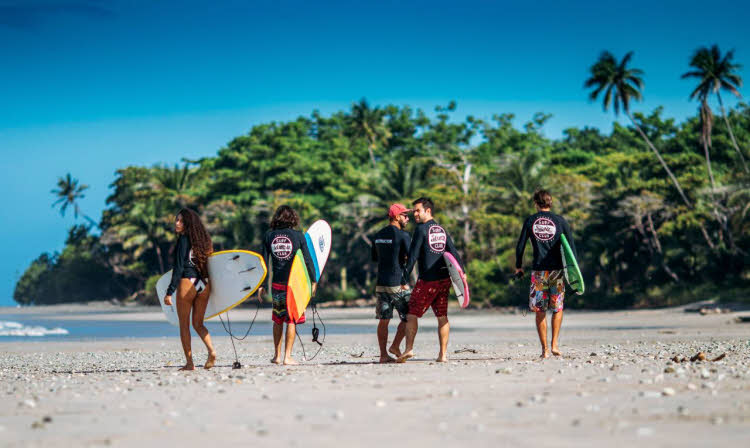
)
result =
(669, 369)
(668, 392)
(592, 354)
(505, 370)
(46, 419)
(466, 350)
(700, 356)
(353, 355)
(719, 358)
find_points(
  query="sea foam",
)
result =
(10, 328)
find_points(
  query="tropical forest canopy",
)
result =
(660, 210)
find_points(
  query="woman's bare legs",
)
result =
(185, 296)
(199, 311)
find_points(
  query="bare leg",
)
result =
(278, 330)
(400, 333)
(383, 340)
(541, 328)
(199, 312)
(185, 297)
(412, 326)
(444, 331)
(556, 324)
(291, 332)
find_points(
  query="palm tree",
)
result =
(716, 73)
(368, 123)
(620, 85)
(68, 193)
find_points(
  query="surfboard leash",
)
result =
(232, 337)
(315, 334)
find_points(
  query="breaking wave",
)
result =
(10, 328)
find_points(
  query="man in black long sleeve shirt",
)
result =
(389, 249)
(280, 245)
(547, 277)
(428, 245)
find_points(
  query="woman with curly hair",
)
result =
(281, 243)
(190, 281)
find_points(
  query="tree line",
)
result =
(659, 209)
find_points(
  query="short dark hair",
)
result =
(284, 218)
(426, 202)
(543, 199)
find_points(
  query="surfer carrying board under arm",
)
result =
(429, 243)
(281, 243)
(190, 281)
(390, 249)
(547, 290)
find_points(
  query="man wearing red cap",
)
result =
(389, 250)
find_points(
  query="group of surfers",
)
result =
(396, 253)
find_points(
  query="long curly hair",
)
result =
(200, 240)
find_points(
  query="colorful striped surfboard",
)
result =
(298, 288)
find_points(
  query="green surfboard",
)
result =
(572, 273)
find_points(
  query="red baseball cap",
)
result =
(397, 209)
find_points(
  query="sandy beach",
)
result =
(615, 384)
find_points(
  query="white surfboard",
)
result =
(234, 275)
(318, 238)
(458, 279)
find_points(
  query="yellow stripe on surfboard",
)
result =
(260, 283)
(298, 287)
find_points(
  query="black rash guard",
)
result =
(390, 247)
(183, 264)
(281, 245)
(427, 247)
(544, 229)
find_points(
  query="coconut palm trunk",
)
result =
(731, 133)
(671, 176)
(661, 160)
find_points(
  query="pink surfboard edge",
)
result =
(452, 260)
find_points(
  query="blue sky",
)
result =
(89, 86)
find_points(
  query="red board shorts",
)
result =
(430, 294)
(280, 314)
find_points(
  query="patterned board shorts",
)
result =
(547, 291)
(387, 301)
(280, 314)
(430, 294)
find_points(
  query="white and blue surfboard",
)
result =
(318, 238)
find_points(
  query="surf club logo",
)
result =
(437, 238)
(322, 243)
(544, 229)
(281, 246)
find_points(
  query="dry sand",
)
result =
(614, 386)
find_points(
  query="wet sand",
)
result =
(614, 386)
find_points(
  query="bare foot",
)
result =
(276, 360)
(210, 361)
(188, 366)
(545, 354)
(405, 356)
(441, 358)
(556, 352)
(386, 359)
(395, 351)
(288, 361)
